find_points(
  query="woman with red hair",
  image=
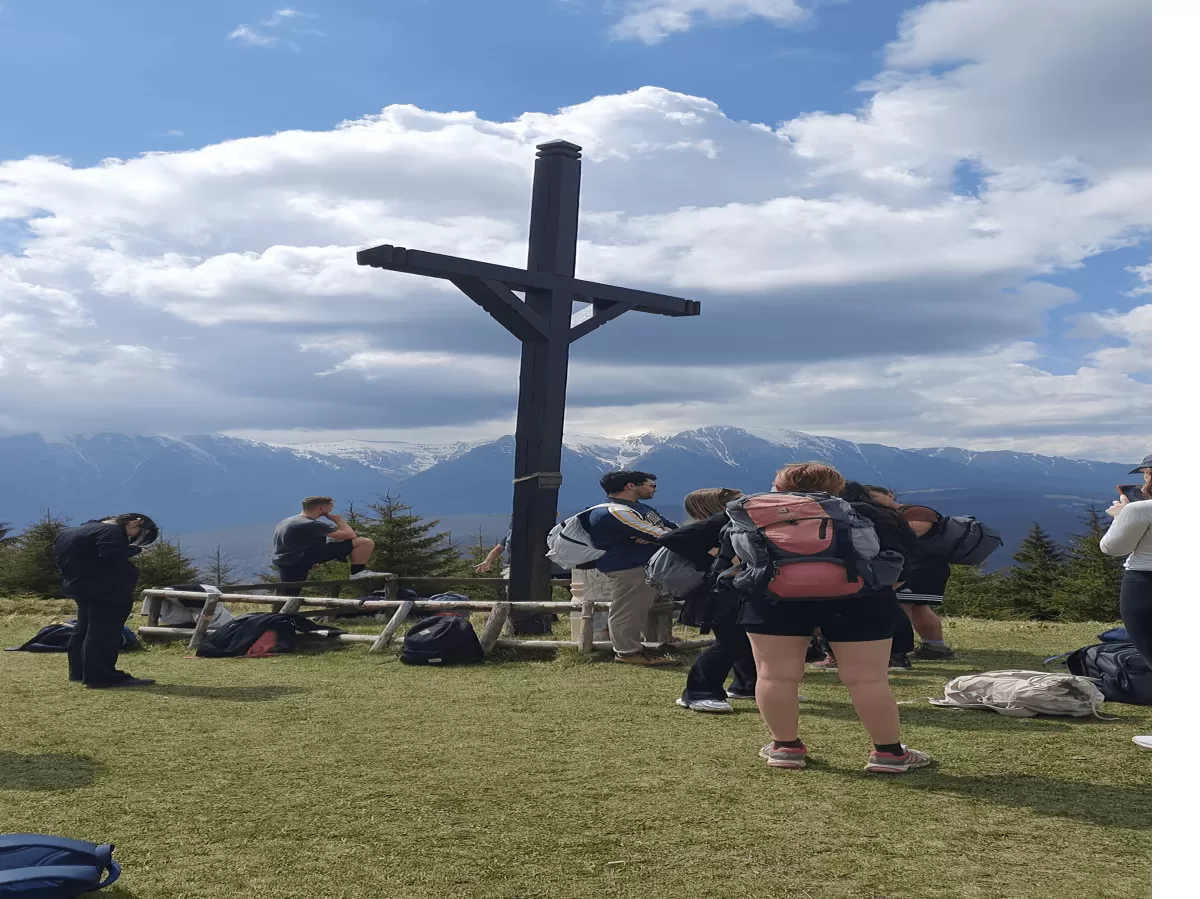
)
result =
(859, 630)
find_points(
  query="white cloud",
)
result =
(1145, 276)
(247, 35)
(868, 298)
(653, 21)
(282, 22)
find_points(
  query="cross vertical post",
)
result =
(544, 324)
(542, 400)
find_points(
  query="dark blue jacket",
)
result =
(94, 559)
(617, 532)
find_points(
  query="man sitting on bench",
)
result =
(314, 536)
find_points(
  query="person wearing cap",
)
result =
(1130, 536)
(98, 573)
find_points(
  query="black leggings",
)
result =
(1135, 610)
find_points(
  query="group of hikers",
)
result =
(818, 557)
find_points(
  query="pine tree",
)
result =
(405, 543)
(1091, 587)
(29, 565)
(974, 593)
(217, 570)
(1034, 582)
(164, 564)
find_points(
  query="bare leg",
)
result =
(862, 667)
(780, 663)
(926, 622)
(360, 550)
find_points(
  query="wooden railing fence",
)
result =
(402, 609)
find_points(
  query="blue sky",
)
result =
(884, 112)
(133, 70)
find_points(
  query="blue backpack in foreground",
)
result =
(37, 866)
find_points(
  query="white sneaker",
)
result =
(368, 573)
(1144, 742)
(715, 706)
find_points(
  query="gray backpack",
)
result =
(672, 574)
(959, 539)
(1023, 694)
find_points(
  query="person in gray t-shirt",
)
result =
(314, 536)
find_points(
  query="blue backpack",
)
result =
(36, 866)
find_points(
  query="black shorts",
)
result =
(926, 582)
(330, 551)
(854, 619)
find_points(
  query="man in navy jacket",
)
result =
(95, 561)
(628, 532)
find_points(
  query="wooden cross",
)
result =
(544, 323)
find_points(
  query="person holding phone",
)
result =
(1130, 536)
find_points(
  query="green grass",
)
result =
(343, 774)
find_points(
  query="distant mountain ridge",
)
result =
(213, 484)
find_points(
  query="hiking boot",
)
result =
(648, 661)
(932, 653)
(784, 756)
(123, 682)
(829, 663)
(368, 573)
(1144, 742)
(886, 763)
(714, 706)
(899, 663)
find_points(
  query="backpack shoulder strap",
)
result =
(72, 873)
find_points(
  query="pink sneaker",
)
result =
(886, 763)
(784, 756)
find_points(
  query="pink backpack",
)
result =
(807, 546)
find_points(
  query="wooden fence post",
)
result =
(390, 591)
(493, 626)
(154, 613)
(206, 616)
(587, 630)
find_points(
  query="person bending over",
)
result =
(98, 573)
(629, 536)
(859, 630)
(314, 536)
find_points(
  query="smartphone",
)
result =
(1132, 492)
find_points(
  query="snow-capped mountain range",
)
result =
(216, 484)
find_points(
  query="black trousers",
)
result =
(731, 651)
(1135, 610)
(903, 641)
(93, 647)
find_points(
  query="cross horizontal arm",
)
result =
(505, 307)
(436, 265)
(588, 320)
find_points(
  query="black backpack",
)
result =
(55, 637)
(234, 638)
(1121, 673)
(441, 640)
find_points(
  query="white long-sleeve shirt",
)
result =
(1129, 535)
